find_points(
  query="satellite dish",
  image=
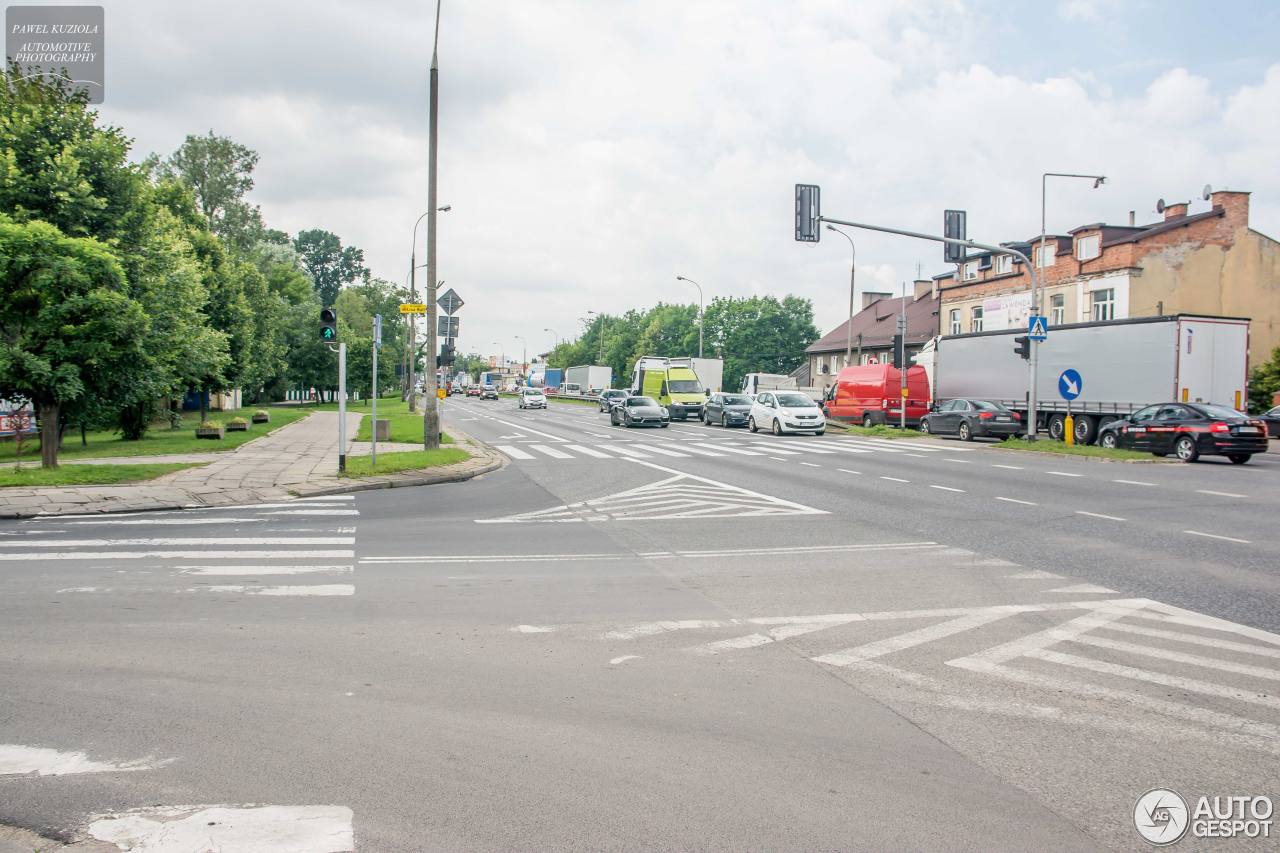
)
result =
(1159, 205)
(1208, 191)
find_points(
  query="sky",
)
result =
(592, 151)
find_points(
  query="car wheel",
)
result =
(868, 421)
(1109, 440)
(724, 422)
(664, 426)
(966, 434)
(924, 426)
(822, 431)
(1239, 458)
(1186, 449)
(777, 427)
(751, 424)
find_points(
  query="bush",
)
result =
(262, 413)
(207, 425)
(238, 422)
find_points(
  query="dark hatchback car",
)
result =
(967, 417)
(639, 411)
(1272, 420)
(1189, 431)
(727, 410)
(611, 397)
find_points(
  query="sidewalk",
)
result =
(298, 459)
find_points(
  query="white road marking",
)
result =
(916, 455)
(1063, 474)
(1220, 494)
(654, 448)
(738, 450)
(1099, 515)
(81, 589)
(203, 554)
(597, 434)
(150, 521)
(551, 451)
(961, 461)
(1009, 467)
(946, 488)
(699, 450)
(248, 829)
(325, 498)
(1133, 482)
(1034, 575)
(512, 451)
(19, 760)
(1085, 589)
(1181, 657)
(317, 590)
(183, 540)
(1195, 640)
(516, 558)
(262, 570)
(811, 464)
(626, 451)
(774, 448)
(1107, 612)
(847, 471)
(534, 431)
(915, 638)
(623, 659)
(810, 446)
(588, 451)
(318, 512)
(778, 459)
(1216, 536)
(533, 629)
(1016, 501)
(896, 479)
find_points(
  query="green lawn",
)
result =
(406, 426)
(160, 439)
(879, 430)
(1048, 445)
(87, 475)
(389, 463)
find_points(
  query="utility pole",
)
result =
(342, 406)
(430, 403)
(902, 361)
(377, 344)
(853, 268)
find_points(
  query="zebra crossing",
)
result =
(225, 551)
(688, 447)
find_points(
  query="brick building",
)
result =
(873, 330)
(1210, 262)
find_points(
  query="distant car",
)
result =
(639, 411)
(786, 411)
(1189, 431)
(727, 410)
(610, 398)
(968, 417)
(473, 390)
(571, 389)
(488, 392)
(532, 398)
(1272, 420)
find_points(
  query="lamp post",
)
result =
(1037, 295)
(853, 265)
(695, 284)
(431, 413)
(524, 354)
(503, 349)
(554, 335)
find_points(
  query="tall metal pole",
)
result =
(853, 268)
(902, 369)
(695, 284)
(373, 436)
(431, 409)
(342, 406)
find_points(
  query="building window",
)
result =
(1045, 258)
(955, 321)
(1104, 304)
(971, 271)
(975, 319)
(1057, 309)
(1004, 264)
(1088, 248)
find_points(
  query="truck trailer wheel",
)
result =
(1057, 427)
(1086, 429)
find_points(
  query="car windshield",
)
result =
(684, 386)
(641, 401)
(1220, 412)
(987, 406)
(737, 400)
(796, 401)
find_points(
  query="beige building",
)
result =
(1210, 262)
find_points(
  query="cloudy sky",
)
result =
(594, 149)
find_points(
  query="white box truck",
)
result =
(710, 372)
(588, 378)
(1122, 366)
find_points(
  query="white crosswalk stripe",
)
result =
(513, 452)
(654, 448)
(588, 451)
(550, 451)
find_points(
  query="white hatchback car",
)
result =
(532, 398)
(786, 411)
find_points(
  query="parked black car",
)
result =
(1188, 430)
(639, 411)
(727, 410)
(967, 417)
(1272, 420)
(611, 397)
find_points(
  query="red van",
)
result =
(868, 394)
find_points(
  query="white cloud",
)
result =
(1079, 10)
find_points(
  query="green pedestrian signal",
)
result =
(328, 325)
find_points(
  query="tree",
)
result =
(68, 331)
(759, 334)
(1264, 383)
(329, 263)
(220, 171)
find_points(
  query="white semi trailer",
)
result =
(589, 377)
(1122, 366)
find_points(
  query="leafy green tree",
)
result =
(1264, 383)
(68, 331)
(219, 172)
(330, 264)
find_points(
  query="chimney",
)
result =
(868, 297)
(924, 287)
(1234, 204)
(1133, 218)
(1177, 210)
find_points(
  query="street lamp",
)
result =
(1033, 424)
(695, 284)
(554, 335)
(853, 264)
(524, 354)
(503, 348)
(413, 294)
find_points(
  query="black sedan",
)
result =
(639, 411)
(967, 418)
(1189, 431)
(611, 397)
(1272, 420)
(727, 410)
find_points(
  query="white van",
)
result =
(571, 389)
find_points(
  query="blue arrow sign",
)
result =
(1037, 328)
(1070, 384)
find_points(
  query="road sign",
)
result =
(1070, 384)
(1037, 328)
(442, 393)
(413, 308)
(808, 213)
(450, 302)
(447, 327)
(377, 330)
(954, 226)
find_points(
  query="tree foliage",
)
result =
(330, 264)
(1264, 383)
(219, 172)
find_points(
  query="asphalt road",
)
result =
(687, 638)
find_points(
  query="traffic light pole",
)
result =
(430, 403)
(342, 407)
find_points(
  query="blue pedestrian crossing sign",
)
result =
(1070, 384)
(1037, 328)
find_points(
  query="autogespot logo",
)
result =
(1161, 816)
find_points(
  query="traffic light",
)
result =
(899, 356)
(328, 325)
(446, 356)
(1022, 346)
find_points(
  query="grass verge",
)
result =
(406, 426)
(160, 440)
(1060, 449)
(88, 475)
(879, 430)
(412, 460)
